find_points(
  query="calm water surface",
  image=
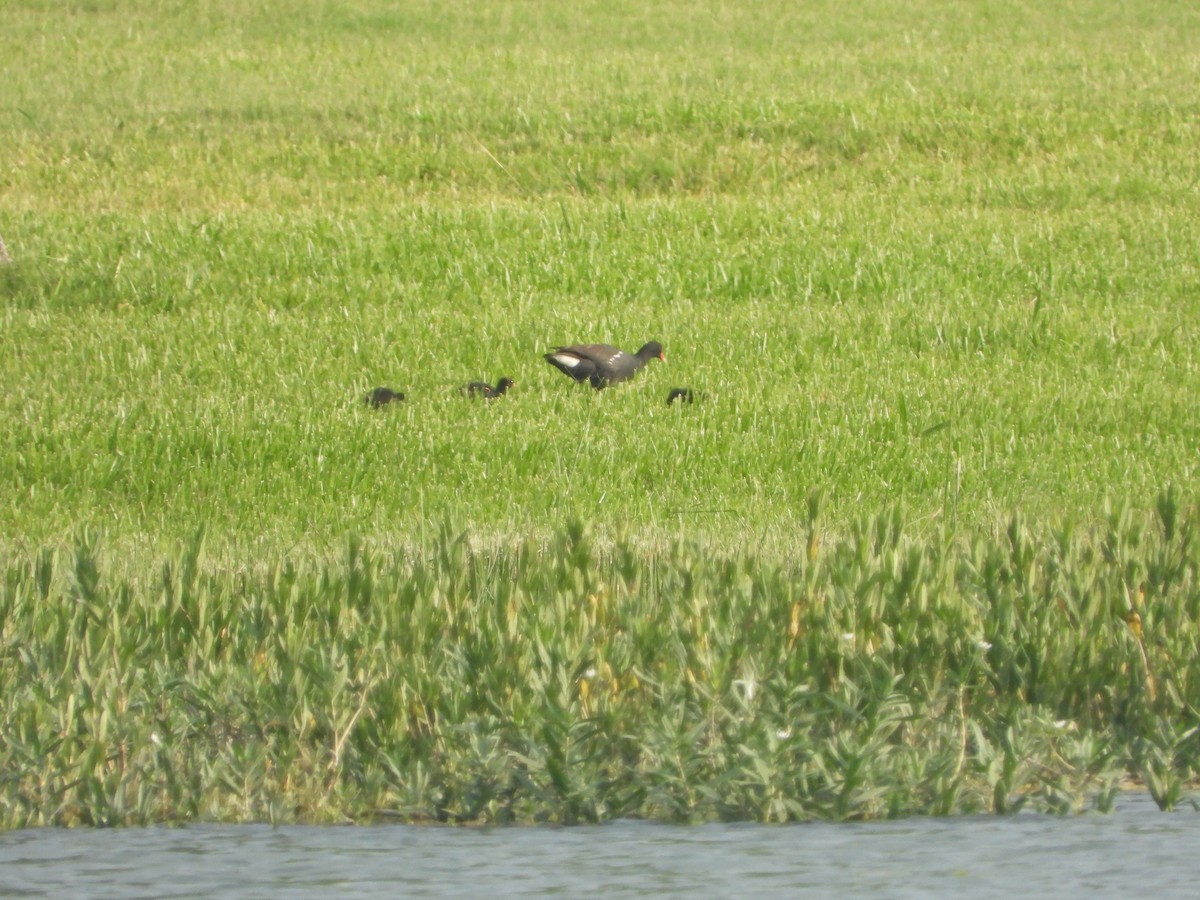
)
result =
(1136, 851)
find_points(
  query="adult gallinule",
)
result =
(382, 396)
(603, 364)
(682, 394)
(485, 390)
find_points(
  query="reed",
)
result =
(871, 675)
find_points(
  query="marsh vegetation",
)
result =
(921, 543)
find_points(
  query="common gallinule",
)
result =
(682, 394)
(382, 396)
(485, 390)
(603, 364)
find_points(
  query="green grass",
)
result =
(931, 260)
(941, 258)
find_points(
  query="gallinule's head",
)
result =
(382, 396)
(652, 350)
(502, 386)
(682, 394)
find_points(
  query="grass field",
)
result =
(933, 260)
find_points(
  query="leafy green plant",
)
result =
(889, 675)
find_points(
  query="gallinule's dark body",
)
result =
(682, 394)
(485, 390)
(602, 364)
(382, 396)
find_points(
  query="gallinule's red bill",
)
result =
(382, 396)
(483, 389)
(682, 394)
(603, 364)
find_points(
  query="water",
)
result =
(1137, 850)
